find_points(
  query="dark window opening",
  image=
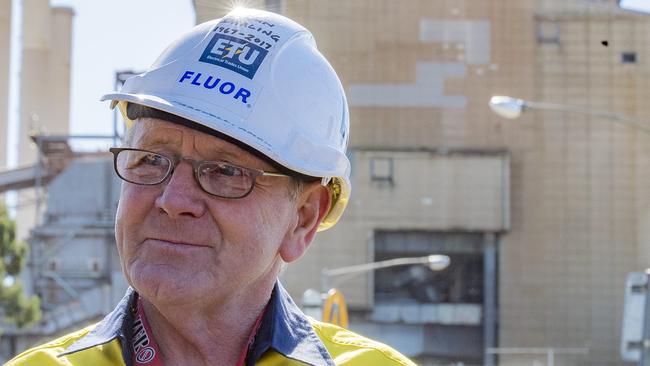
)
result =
(628, 57)
(548, 32)
(381, 169)
(461, 282)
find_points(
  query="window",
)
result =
(548, 31)
(381, 169)
(460, 283)
(628, 57)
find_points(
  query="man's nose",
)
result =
(182, 195)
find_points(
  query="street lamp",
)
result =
(513, 108)
(329, 304)
(435, 262)
(637, 6)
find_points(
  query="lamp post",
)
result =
(435, 262)
(513, 108)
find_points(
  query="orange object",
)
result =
(335, 311)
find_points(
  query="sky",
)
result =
(108, 35)
(111, 35)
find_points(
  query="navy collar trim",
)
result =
(284, 328)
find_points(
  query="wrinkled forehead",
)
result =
(148, 130)
(153, 132)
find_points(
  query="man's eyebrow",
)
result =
(220, 154)
(149, 139)
(234, 156)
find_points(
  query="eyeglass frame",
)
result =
(195, 168)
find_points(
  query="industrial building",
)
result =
(542, 217)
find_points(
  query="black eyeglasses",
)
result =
(217, 178)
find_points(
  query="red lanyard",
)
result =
(145, 348)
(146, 351)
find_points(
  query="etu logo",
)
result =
(232, 49)
(234, 54)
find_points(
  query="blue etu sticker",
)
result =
(234, 54)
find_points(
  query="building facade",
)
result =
(73, 265)
(44, 91)
(542, 217)
(553, 205)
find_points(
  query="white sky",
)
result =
(110, 35)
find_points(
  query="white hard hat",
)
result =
(257, 77)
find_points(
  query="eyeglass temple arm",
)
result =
(271, 174)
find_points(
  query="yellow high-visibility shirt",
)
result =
(286, 337)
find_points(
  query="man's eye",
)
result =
(229, 170)
(146, 160)
(153, 159)
(222, 170)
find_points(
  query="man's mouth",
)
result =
(176, 242)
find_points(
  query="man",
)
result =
(234, 158)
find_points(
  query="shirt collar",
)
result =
(114, 325)
(284, 329)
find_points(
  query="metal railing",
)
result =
(549, 352)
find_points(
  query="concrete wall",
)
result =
(88, 189)
(44, 88)
(45, 75)
(76, 240)
(585, 173)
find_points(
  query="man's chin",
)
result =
(165, 287)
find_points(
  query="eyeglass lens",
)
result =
(142, 167)
(217, 178)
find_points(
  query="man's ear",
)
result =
(312, 204)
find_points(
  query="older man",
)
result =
(234, 159)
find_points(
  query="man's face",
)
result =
(178, 244)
